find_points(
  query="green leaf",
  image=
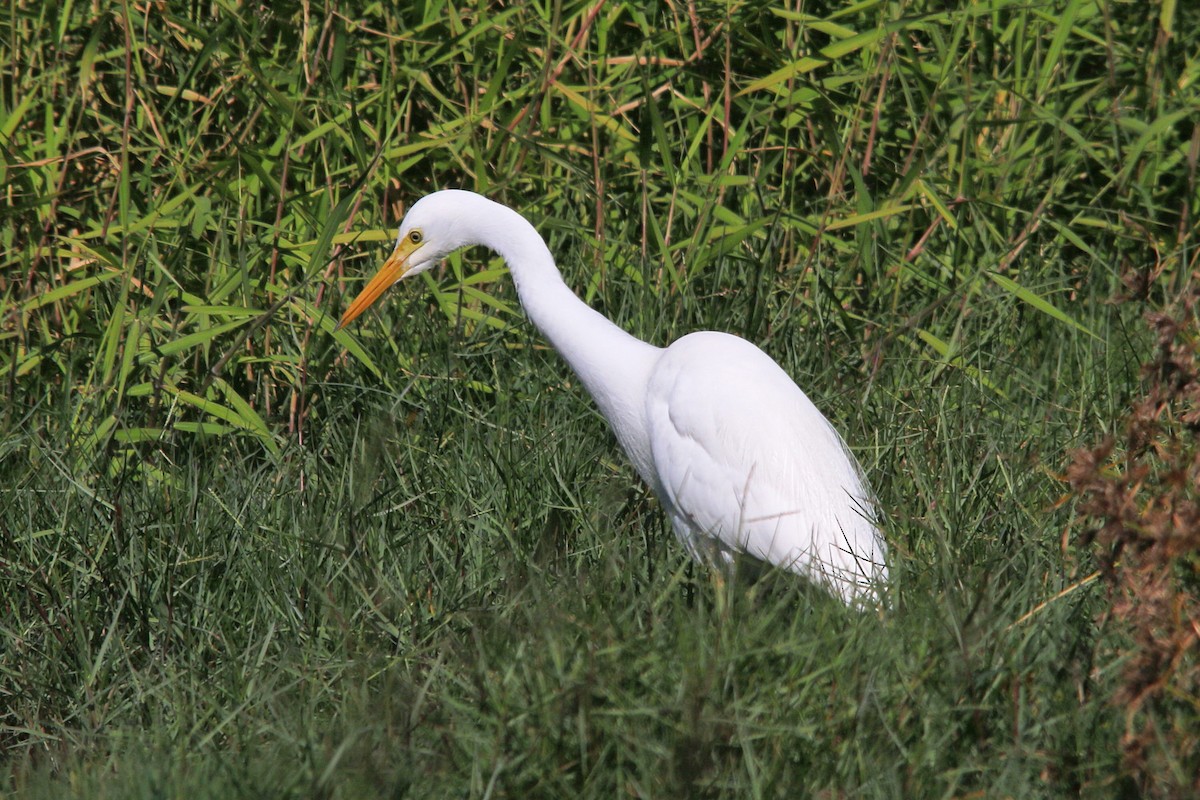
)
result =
(200, 337)
(1038, 302)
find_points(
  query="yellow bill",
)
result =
(392, 270)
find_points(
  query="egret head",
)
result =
(434, 227)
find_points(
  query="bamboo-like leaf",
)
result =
(1038, 302)
(68, 290)
(1052, 62)
(858, 219)
(200, 337)
(590, 109)
(1152, 135)
(222, 311)
(951, 358)
(138, 435)
(11, 120)
(250, 418)
(835, 51)
(241, 417)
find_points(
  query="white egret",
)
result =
(740, 458)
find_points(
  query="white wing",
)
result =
(745, 462)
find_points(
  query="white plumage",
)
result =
(739, 456)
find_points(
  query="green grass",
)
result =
(242, 555)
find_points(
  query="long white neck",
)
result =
(614, 366)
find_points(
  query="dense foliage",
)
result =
(242, 554)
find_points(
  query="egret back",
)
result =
(746, 463)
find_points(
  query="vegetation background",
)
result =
(242, 555)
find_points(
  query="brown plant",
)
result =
(1140, 499)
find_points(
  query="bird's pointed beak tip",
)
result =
(392, 270)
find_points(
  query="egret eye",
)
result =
(415, 237)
